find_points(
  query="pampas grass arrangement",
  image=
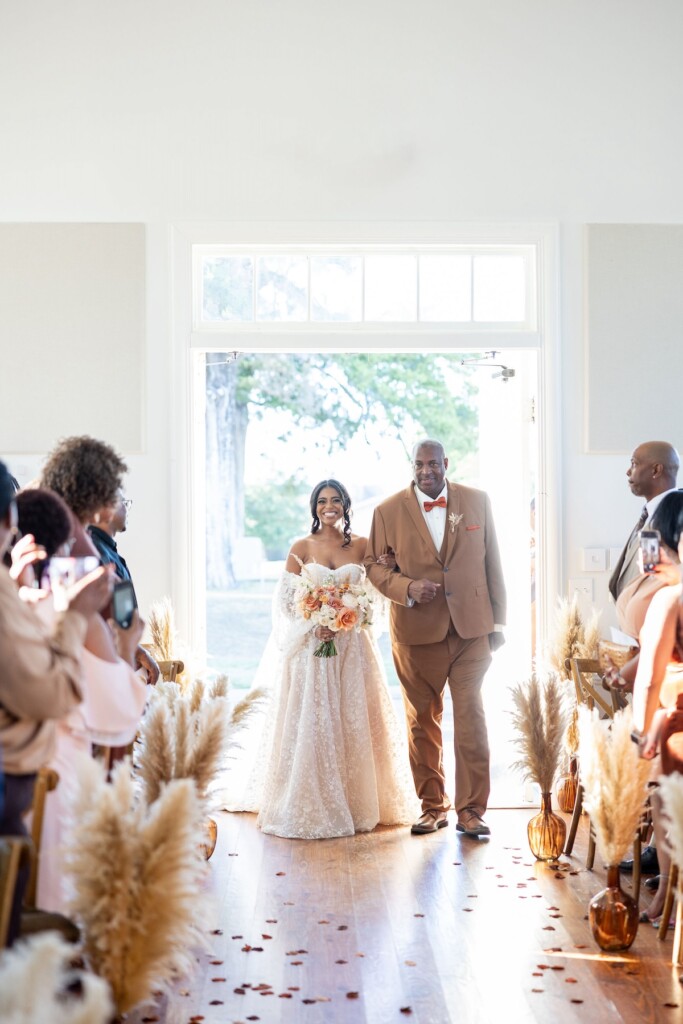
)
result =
(572, 637)
(137, 878)
(540, 718)
(614, 780)
(38, 985)
(183, 736)
(162, 630)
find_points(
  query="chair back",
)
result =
(14, 850)
(46, 781)
(586, 675)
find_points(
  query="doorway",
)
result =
(275, 424)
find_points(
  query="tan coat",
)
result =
(472, 591)
(40, 679)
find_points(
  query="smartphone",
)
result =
(123, 604)
(649, 549)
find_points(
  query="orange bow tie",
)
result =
(439, 503)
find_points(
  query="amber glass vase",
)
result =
(546, 832)
(566, 788)
(209, 836)
(613, 915)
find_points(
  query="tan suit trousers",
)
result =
(423, 670)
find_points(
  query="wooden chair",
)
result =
(170, 670)
(46, 781)
(14, 851)
(674, 890)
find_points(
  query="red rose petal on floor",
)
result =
(216, 1002)
(271, 920)
(323, 922)
(216, 931)
(215, 963)
(406, 1010)
(415, 915)
(240, 991)
(309, 1002)
(253, 1018)
(576, 1001)
(549, 928)
(537, 990)
(556, 967)
(296, 963)
(341, 961)
(571, 981)
(279, 874)
(352, 995)
(536, 974)
(264, 936)
(671, 1006)
(342, 928)
(293, 988)
(219, 979)
(285, 995)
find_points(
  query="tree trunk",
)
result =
(226, 431)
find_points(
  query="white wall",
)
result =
(166, 112)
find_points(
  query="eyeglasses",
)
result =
(127, 503)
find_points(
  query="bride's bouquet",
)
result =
(338, 607)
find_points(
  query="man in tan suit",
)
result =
(447, 613)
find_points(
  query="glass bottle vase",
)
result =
(613, 915)
(546, 832)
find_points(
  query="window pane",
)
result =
(336, 288)
(227, 288)
(445, 288)
(391, 288)
(499, 289)
(282, 288)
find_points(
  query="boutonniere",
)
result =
(454, 520)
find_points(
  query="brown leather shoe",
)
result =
(430, 821)
(472, 824)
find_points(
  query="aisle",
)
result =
(432, 929)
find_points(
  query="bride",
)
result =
(326, 756)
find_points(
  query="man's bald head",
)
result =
(653, 469)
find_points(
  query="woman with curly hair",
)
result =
(86, 473)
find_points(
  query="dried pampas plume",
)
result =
(137, 875)
(614, 780)
(183, 736)
(540, 718)
(572, 638)
(671, 788)
(39, 986)
(162, 631)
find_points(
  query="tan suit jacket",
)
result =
(468, 569)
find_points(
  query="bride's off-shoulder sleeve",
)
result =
(290, 629)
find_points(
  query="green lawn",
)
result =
(238, 625)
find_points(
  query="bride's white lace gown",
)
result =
(325, 754)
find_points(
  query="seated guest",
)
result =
(88, 475)
(659, 685)
(41, 673)
(114, 696)
(106, 523)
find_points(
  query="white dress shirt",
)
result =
(436, 517)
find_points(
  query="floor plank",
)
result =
(434, 929)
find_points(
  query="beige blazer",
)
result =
(472, 591)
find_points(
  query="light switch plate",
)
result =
(594, 559)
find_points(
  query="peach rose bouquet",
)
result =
(339, 607)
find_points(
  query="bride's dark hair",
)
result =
(346, 505)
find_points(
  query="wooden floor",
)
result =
(433, 929)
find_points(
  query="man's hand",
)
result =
(496, 640)
(144, 660)
(423, 591)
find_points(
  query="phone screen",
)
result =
(649, 549)
(123, 604)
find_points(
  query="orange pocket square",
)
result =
(473, 527)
